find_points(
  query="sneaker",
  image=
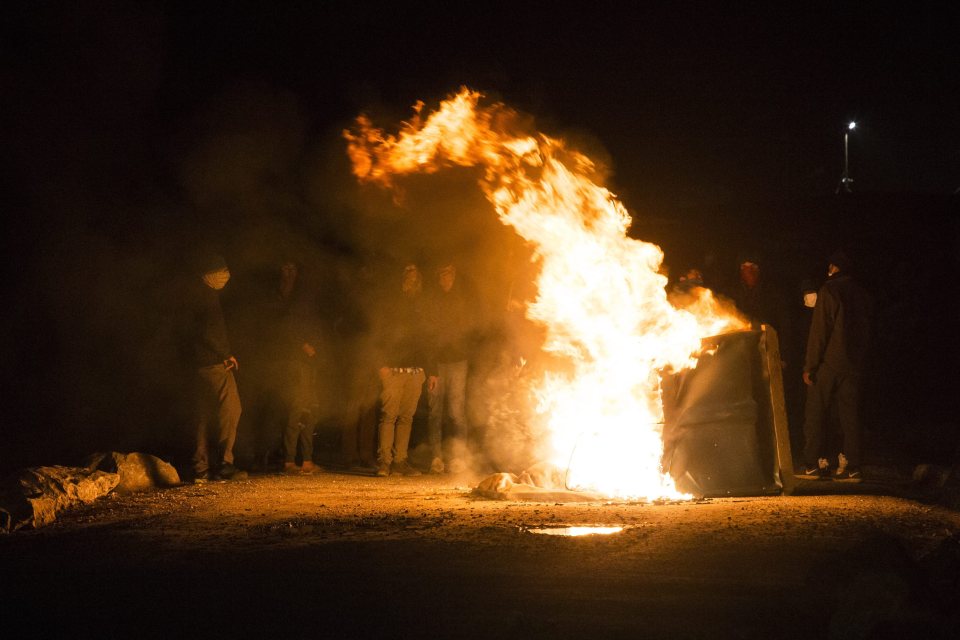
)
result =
(230, 472)
(820, 471)
(850, 475)
(403, 468)
(201, 477)
(846, 473)
(436, 466)
(291, 469)
(309, 468)
(383, 470)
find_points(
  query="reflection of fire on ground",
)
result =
(599, 295)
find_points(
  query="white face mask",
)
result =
(217, 279)
(810, 299)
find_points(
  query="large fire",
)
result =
(600, 297)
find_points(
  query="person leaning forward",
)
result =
(405, 360)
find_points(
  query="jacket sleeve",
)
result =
(821, 326)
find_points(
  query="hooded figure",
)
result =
(216, 399)
(836, 354)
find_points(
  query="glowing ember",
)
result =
(600, 296)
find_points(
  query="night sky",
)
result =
(134, 129)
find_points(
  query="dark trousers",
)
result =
(302, 399)
(832, 388)
(359, 442)
(216, 400)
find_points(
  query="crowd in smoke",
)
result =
(93, 357)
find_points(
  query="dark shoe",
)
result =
(403, 468)
(383, 470)
(844, 472)
(230, 472)
(201, 478)
(819, 471)
(850, 475)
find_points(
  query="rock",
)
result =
(930, 476)
(545, 476)
(496, 486)
(38, 494)
(508, 486)
(138, 471)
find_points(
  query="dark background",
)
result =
(135, 132)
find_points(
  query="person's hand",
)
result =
(384, 373)
(432, 382)
(807, 379)
(308, 349)
(231, 363)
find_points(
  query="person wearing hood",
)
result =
(216, 399)
(836, 354)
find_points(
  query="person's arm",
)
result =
(820, 327)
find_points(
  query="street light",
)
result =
(845, 180)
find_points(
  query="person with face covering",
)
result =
(216, 399)
(404, 359)
(762, 304)
(837, 350)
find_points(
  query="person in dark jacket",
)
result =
(837, 350)
(757, 298)
(762, 304)
(451, 326)
(404, 357)
(216, 399)
(296, 328)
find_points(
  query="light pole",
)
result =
(845, 180)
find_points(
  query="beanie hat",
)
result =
(841, 260)
(211, 262)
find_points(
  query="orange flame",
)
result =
(600, 296)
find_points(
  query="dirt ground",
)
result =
(340, 555)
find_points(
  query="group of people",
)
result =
(414, 340)
(409, 337)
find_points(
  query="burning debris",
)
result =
(609, 328)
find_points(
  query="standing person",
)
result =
(756, 298)
(214, 386)
(761, 303)
(836, 353)
(297, 339)
(403, 354)
(362, 384)
(450, 325)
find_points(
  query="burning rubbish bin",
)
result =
(725, 430)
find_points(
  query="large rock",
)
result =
(38, 494)
(138, 471)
